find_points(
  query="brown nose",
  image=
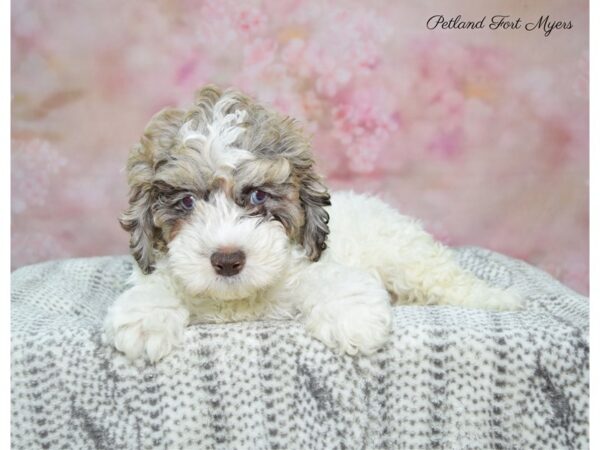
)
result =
(228, 263)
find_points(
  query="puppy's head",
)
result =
(223, 192)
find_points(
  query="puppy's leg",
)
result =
(146, 320)
(429, 274)
(347, 309)
(369, 234)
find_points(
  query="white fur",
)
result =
(216, 146)
(223, 224)
(375, 257)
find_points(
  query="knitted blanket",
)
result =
(451, 378)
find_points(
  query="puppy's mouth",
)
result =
(229, 288)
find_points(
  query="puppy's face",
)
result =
(223, 192)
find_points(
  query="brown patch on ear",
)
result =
(154, 146)
(283, 137)
(138, 221)
(314, 197)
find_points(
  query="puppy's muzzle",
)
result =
(228, 263)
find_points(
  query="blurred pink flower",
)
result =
(363, 122)
(446, 144)
(36, 165)
(250, 20)
(431, 120)
(258, 54)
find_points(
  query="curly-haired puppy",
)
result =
(229, 222)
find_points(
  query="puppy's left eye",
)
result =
(258, 197)
(188, 202)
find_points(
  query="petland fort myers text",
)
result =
(544, 24)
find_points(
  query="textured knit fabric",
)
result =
(450, 378)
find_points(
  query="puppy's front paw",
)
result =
(356, 324)
(152, 334)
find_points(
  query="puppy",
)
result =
(230, 222)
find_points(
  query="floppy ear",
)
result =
(314, 197)
(138, 221)
(154, 146)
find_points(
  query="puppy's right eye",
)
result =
(258, 197)
(188, 202)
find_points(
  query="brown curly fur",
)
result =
(162, 168)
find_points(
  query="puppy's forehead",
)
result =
(232, 144)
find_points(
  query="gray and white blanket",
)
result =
(451, 378)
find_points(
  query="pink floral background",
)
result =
(482, 134)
